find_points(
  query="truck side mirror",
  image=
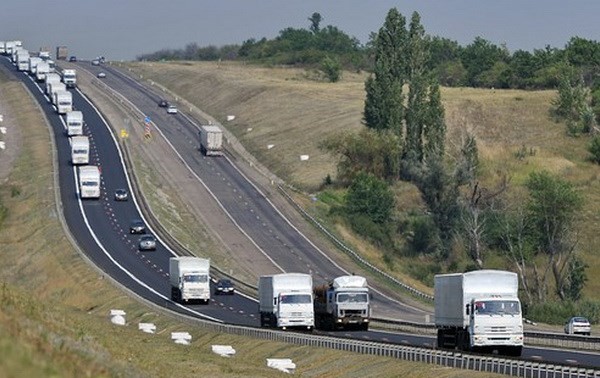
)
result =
(468, 309)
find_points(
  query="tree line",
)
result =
(478, 64)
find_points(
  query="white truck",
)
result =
(51, 78)
(190, 279)
(343, 303)
(74, 121)
(33, 62)
(55, 87)
(89, 181)
(22, 60)
(69, 77)
(211, 140)
(63, 101)
(80, 150)
(479, 311)
(286, 300)
(41, 70)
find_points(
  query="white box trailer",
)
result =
(343, 303)
(56, 87)
(33, 62)
(23, 60)
(2, 47)
(51, 78)
(89, 181)
(41, 70)
(286, 300)
(74, 121)
(211, 140)
(63, 101)
(80, 150)
(69, 77)
(189, 278)
(479, 310)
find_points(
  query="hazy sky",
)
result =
(123, 29)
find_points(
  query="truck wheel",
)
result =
(175, 297)
(364, 327)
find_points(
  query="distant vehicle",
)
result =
(286, 300)
(63, 101)
(163, 103)
(137, 227)
(211, 140)
(80, 150)
(95, 62)
(172, 109)
(74, 123)
(121, 195)
(224, 286)
(101, 75)
(578, 325)
(147, 243)
(72, 59)
(69, 77)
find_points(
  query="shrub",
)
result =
(594, 149)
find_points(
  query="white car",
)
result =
(172, 109)
(578, 325)
(101, 75)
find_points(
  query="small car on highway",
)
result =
(121, 195)
(137, 227)
(578, 325)
(147, 243)
(224, 286)
(172, 109)
(101, 75)
(163, 103)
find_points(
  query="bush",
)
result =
(378, 234)
(594, 149)
(560, 312)
(421, 235)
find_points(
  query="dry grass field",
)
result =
(54, 306)
(285, 108)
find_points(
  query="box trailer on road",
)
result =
(479, 311)
(63, 101)
(190, 279)
(211, 140)
(80, 150)
(286, 300)
(74, 121)
(89, 181)
(41, 70)
(69, 77)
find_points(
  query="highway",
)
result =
(100, 227)
(290, 250)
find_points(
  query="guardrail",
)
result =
(531, 338)
(506, 366)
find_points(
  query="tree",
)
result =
(551, 209)
(315, 21)
(480, 56)
(370, 196)
(332, 69)
(384, 99)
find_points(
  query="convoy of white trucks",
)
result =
(479, 311)
(211, 140)
(89, 181)
(80, 150)
(63, 101)
(190, 279)
(286, 301)
(342, 304)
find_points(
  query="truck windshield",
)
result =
(497, 308)
(295, 298)
(80, 151)
(89, 183)
(352, 298)
(199, 278)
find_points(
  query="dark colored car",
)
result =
(73, 59)
(137, 227)
(121, 195)
(163, 103)
(224, 286)
(147, 243)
